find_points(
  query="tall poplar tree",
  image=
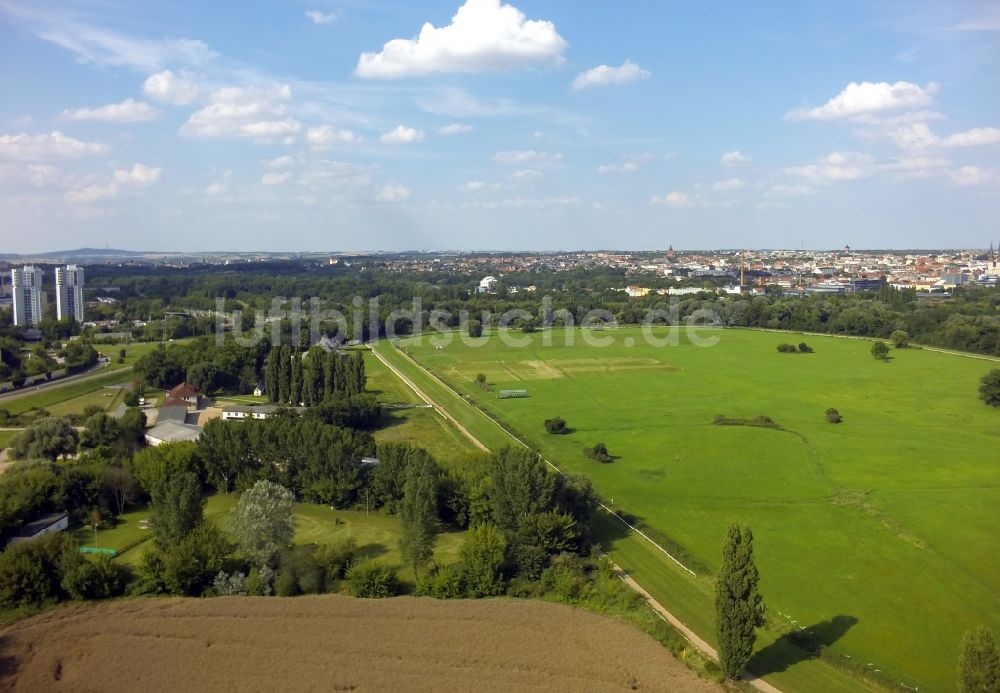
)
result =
(739, 608)
(284, 373)
(979, 664)
(295, 388)
(418, 512)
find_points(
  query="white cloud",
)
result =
(128, 111)
(973, 138)
(631, 164)
(27, 147)
(256, 113)
(324, 136)
(393, 193)
(167, 87)
(674, 199)
(836, 166)
(603, 75)
(216, 188)
(455, 129)
(866, 98)
(972, 175)
(402, 135)
(729, 184)
(280, 162)
(104, 47)
(317, 17)
(913, 136)
(735, 158)
(526, 175)
(475, 185)
(483, 36)
(785, 190)
(276, 178)
(138, 175)
(525, 157)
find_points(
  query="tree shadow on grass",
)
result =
(800, 645)
(369, 551)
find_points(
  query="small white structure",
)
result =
(47, 524)
(487, 285)
(261, 411)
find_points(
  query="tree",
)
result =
(284, 372)
(483, 555)
(556, 425)
(522, 486)
(418, 513)
(900, 339)
(177, 507)
(133, 427)
(739, 608)
(295, 386)
(46, 438)
(979, 663)
(101, 431)
(989, 388)
(880, 351)
(120, 487)
(475, 328)
(262, 522)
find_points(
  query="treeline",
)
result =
(204, 364)
(16, 365)
(291, 377)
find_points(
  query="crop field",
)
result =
(333, 642)
(878, 535)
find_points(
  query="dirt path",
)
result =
(420, 393)
(688, 634)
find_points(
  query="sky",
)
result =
(350, 125)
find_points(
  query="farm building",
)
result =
(47, 524)
(261, 411)
(172, 432)
(188, 393)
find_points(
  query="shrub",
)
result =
(900, 339)
(373, 580)
(229, 585)
(989, 388)
(300, 573)
(880, 352)
(805, 348)
(786, 348)
(598, 453)
(556, 425)
(833, 416)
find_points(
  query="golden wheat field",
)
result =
(332, 643)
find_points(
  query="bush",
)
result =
(900, 339)
(989, 388)
(556, 425)
(443, 582)
(805, 348)
(880, 352)
(229, 585)
(373, 580)
(786, 348)
(300, 573)
(598, 453)
(833, 416)
(31, 572)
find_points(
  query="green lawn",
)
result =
(5, 437)
(879, 533)
(125, 531)
(50, 397)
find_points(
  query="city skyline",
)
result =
(533, 125)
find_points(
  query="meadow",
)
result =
(876, 535)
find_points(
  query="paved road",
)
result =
(94, 372)
(688, 634)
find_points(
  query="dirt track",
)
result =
(333, 642)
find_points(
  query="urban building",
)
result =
(69, 292)
(26, 285)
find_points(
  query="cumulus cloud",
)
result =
(674, 199)
(631, 164)
(280, 162)
(455, 129)
(972, 175)
(393, 193)
(484, 36)
(867, 98)
(920, 136)
(836, 166)
(526, 157)
(255, 113)
(402, 135)
(973, 138)
(128, 111)
(276, 178)
(25, 147)
(729, 184)
(526, 175)
(324, 136)
(735, 158)
(603, 75)
(138, 175)
(317, 17)
(167, 87)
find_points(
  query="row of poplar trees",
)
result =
(291, 377)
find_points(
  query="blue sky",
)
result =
(380, 125)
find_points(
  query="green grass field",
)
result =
(879, 534)
(376, 533)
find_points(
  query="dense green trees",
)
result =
(46, 438)
(177, 507)
(291, 377)
(739, 608)
(979, 663)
